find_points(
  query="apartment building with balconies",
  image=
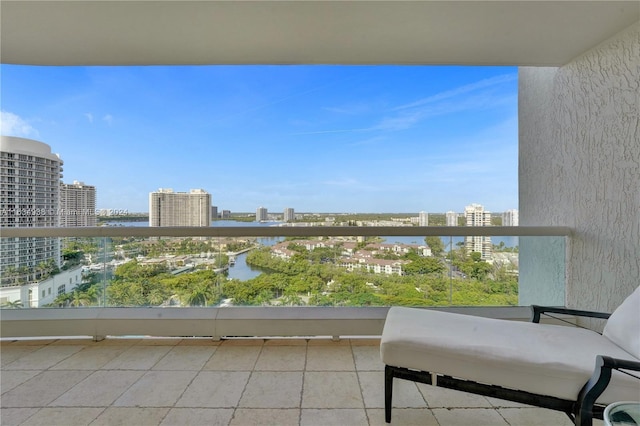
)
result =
(77, 204)
(30, 177)
(169, 208)
(476, 215)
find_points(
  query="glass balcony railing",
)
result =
(273, 266)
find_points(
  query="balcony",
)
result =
(317, 312)
(323, 368)
(229, 382)
(578, 165)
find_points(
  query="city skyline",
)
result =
(318, 138)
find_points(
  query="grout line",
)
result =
(304, 379)
(244, 389)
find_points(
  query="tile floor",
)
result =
(233, 382)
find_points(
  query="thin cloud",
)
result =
(321, 132)
(13, 125)
(89, 116)
(350, 109)
(482, 84)
(464, 98)
(108, 118)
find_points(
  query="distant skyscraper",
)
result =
(77, 204)
(423, 219)
(226, 214)
(289, 215)
(29, 197)
(510, 218)
(451, 218)
(168, 208)
(475, 215)
(214, 212)
(261, 214)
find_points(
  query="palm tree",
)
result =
(16, 304)
(10, 275)
(201, 293)
(80, 298)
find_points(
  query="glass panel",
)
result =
(296, 271)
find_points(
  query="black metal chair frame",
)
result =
(582, 411)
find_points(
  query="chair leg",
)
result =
(388, 392)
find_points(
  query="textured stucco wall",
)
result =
(579, 166)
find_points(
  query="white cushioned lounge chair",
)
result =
(574, 370)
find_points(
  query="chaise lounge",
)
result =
(570, 369)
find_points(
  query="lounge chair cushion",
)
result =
(623, 326)
(538, 358)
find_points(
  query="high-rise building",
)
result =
(476, 215)
(423, 219)
(451, 218)
(29, 197)
(261, 214)
(168, 208)
(214, 212)
(77, 204)
(510, 218)
(289, 215)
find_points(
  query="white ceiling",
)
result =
(539, 32)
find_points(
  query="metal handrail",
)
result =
(286, 231)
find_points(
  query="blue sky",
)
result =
(315, 138)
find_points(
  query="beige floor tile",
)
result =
(84, 341)
(501, 403)
(128, 416)
(233, 358)
(90, 358)
(160, 341)
(331, 390)
(403, 416)
(43, 388)
(294, 341)
(282, 358)
(405, 393)
(367, 358)
(57, 416)
(43, 358)
(242, 342)
(468, 416)
(266, 417)
(199, 341)
(9, 354)
(335, 417)
(156, 389)
(322, 341)
(366, 341)
(99, 389)
(16, 416)
(117, 341)
(11, 379)
(198, 416)
(186, 358)
(215, 389)
(534, 417)
(273, 390)
(441, 397)
(330, 358)
(32, 342)
(185, 383)
(137, 358)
